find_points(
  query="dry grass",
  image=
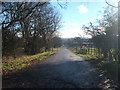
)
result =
(11, 64)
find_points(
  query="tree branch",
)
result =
(111, 5)
(20, 19)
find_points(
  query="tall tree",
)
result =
(35, 22)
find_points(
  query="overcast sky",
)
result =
(78, 14)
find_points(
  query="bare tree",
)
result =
(34, 22)
(17, 11)
(111, 4)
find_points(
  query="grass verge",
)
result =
(85, 56)
(108, 67)
(13, 65)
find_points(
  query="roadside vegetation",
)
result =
(108, 67)
(102, 50)
(22, 62)
(86, 53)
(29, 33)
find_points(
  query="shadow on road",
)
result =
(69, 74)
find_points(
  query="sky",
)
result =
(78, 14)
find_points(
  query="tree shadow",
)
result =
(68, 74)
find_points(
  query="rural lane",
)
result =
(61, 70)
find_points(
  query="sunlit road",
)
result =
(61, 70)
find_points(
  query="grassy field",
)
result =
(13, 65)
